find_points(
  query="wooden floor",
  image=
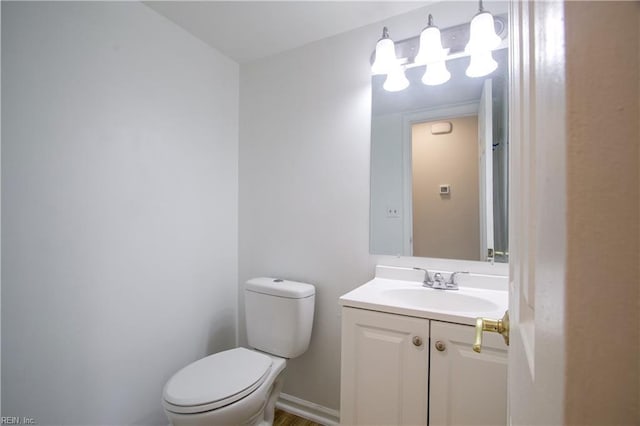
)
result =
(287, 419)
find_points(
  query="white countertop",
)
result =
(477, 297)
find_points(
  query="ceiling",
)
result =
(249, 30)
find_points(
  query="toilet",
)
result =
(240, 386)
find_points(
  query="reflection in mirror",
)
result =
(439, 158)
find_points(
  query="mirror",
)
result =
(439, 165)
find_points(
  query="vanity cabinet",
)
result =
(402, 370)
(385, 362)
(466, 388)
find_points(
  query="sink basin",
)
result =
(398, 290)
(439, 300)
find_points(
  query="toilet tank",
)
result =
(279, 315)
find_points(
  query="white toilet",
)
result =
(240, 386)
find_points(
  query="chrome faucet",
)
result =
(438, 282)
(452, 284)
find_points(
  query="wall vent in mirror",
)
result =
(441, 128)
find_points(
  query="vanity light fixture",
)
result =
(385, 54)
(482, 40)
(433, 55)
(430, 49)
(435, 47)
(386, 62)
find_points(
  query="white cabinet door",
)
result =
(467, 388)
(384, 371)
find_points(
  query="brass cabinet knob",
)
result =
(500, 326)
(440, 346)
(417, 340)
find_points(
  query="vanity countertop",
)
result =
(400, 291)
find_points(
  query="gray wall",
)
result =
(304, 189)
(304, 186)
(119, 194)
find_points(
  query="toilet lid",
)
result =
(217, 380)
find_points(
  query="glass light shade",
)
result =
(436, 74)
(385, 56)
(481, 64)
(430, 50)
(396, 80)
(482, 34)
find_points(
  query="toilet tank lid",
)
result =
(280, 288)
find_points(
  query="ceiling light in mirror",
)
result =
(481, 64)
(396, 79)
(436, 74)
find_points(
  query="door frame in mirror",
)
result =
(408, 120)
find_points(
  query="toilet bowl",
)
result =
(234, 387)
(240, 386)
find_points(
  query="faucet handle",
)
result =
(427, 277)
(452, 277)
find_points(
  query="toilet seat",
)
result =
(216, 381)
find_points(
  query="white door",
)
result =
(485, 153)
(537, 213)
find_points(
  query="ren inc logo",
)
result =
(14, 420)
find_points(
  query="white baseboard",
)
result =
(308, 410)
